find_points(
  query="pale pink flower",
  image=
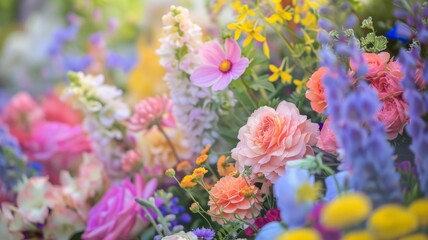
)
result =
(181, 236)
(387, 81)
(21, 114)
(232, 196)
(117, 214)
(152, 111)
(393, 115)
(131, 161)
(327, 140)
(32, 199)
(272, 137)
(62, 224)
(5, 219)
(57, 146)
(219, 66)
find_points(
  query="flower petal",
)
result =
(212, 53)
(233, 51)
(223, 82)
(205, 76)
(239, 67)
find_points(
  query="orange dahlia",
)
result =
(228, 200)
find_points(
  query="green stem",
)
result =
(174, 152)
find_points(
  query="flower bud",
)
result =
(170, 172)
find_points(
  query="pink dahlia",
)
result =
(232, 196)
(152, 111)
(117, 214)
(219, 66)
(272, 137)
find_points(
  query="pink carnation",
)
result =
(327, 140)
(57, 146)
(272, 137)
(232, 196)
(117, 214)
(21, 114)
(393, 115)
(151, 111)
(219, 66)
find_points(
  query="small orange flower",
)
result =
(223, 167)
(185, 166)
(187, 182)
(199, 173)
(201, 159)
(206, 149)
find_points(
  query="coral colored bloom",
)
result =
(375, 62)
(327, 140)
(152, 111)
(387, 82)
(272, 137)
(223, 167)
(117, 214)
(227, 200)
(315, 92)
(220, 66)
(56, 110)
(201, 159)
(393, 115)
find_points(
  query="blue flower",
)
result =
(204, 233)
(270, 231)
(399, 32)
(293, 212)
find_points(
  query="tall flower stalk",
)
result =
(353, 111)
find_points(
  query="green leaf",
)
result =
(257, 85)
(368, 23)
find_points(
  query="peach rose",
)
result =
(315, 92)
(393, 115)
(327, 140)
(375, 62)
(387, 82)
(272, 137)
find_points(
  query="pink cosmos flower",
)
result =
(152, 110)
(219, 67)
(327, 140)
(57, 146)
(272, 137)
(117, 214)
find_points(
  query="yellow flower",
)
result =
(281, 14)
(243, 12)
(417, 236)
(223, 167)
(185, 166)
(346, 210)
(300, 234)
(300, 85)
(201, 159)
(278, 72)
(308, 192)
(250, 28)
(392, 221)
(199, 173)
(420, 209)
(218, 6)
(358, 235)
(247, 191)
(187, 182)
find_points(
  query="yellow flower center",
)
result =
(225, 66)
(247, 192)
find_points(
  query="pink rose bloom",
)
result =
(20, 114)
(57, 110)
(272, 137)
(117, 214)
(375, 62)
(419, 77)
(151, 111)
(219, 66)
(327, 140)
(393, 115)
(57, 146)
(315, 92)
(131, 161)
(387, 82)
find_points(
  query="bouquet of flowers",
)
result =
(291, 120)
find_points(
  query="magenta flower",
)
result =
(219, 67)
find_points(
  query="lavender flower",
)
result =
(353, 112)
(204, 233)
(410, 61)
